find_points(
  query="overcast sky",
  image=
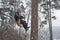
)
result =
(57, 21)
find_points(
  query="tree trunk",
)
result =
(34, 20)
(50, 22)
(50, 26)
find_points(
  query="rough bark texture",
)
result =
(34, 20)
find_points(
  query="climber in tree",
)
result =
(18, 19)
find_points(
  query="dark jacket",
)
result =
(18, 17)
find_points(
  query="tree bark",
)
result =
(50, 26)
(34, 20)
(50, 22)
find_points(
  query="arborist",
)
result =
(19, 19)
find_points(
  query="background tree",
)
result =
(53, 4)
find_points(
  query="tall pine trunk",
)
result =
(50, 22)
(34, 20)
(50, 26)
